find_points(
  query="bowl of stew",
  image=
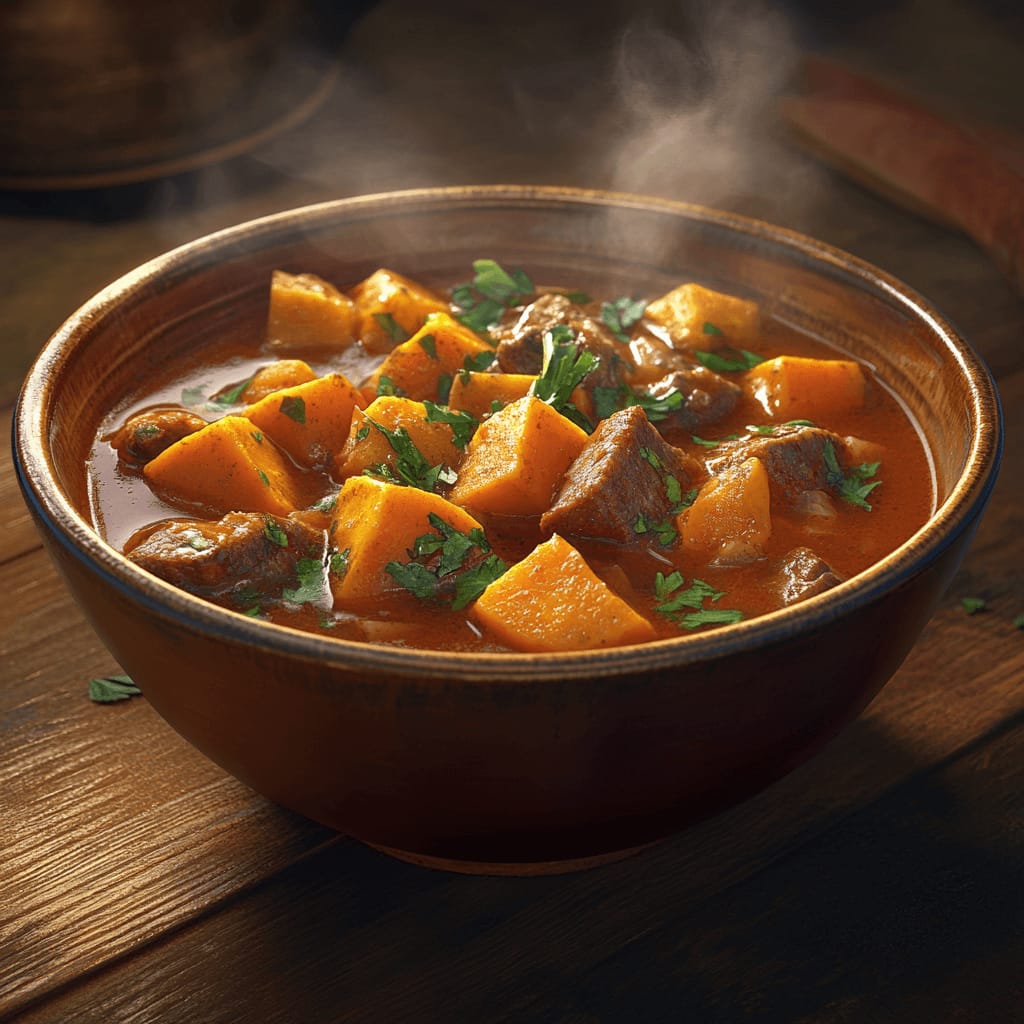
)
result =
(507, 528)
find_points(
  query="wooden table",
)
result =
(882, 881)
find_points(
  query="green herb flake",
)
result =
(312, 584)
(392, 327)
(622, 314)
(711, 617)
(257, 437)
(703, 442)
(444, 387)
(338, 563)
(478, 362)
(410, 466)
(145, 431)
(274, 533)
(429, 345)
(493, 282)
(326, 503)
(565, 367)
(729, 360)
(973, 605)
(294, 407)
(197, 541)
(710, 328)
(264, 479)
(854, 488)
(110, 689)
(685, 605)
(414, 577)
(579, 298)
(463, 424)
(386, 386)
(1018, 621)
(470, 584)
(362, 433)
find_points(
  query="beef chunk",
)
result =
(793, 456)
(521, 350)
(804, 574)
(146, 434)
(622, 474)
(707, 398)
(244, 549)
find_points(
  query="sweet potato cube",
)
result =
(482, 394)
(392, 308)
(309, 421)
(282, 373)
(730, 508)
(227, 466)
(553, 601)
(307, 312)
(517, 458)
(794, 387)
(697, 317)
(439, 349)
(367, 446)
(376, 523)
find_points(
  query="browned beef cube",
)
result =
(793, 456)
(520, 344)
(242, 550)
(626, 474)
(146, 434)
(804, 574)
(707, 398)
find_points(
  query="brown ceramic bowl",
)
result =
(506, 761)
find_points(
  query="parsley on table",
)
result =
(436, 569)
(685, 605)
(622, 314)
(729, 360)
(410, 466)
(854, 488)
(564, 368)
(110, 689)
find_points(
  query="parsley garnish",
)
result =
(264, 479)
(273, 532)
(492, 290)
(663, 529)
(463, 424)
(447, 578)
(196, 396)
(312, 585)
(610, 400)
(110, 689)
(326, 503)
(429, 345)
(579, 298)
(197, 541)
(622, 314)
(710, 328)
(338, 562)
(477, 363)
(386, 386)
(685, 607)
(728, 360)
(294, 407)
(703, 442)
(444, 387)
(853, 488)
(410, 467)
(392, 327)
(146, 430)
(973, 605)
(564, 369)
(257, 436)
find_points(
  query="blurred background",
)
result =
(128, 129)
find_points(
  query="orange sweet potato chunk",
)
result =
(685, 310)
(733, 507)
(376, 523)
(392, 307)
(309, 421)
(226, 467)
(482, 394)
(282, 373)
(553, 601)
(307, 312)
(366, 446)
(517, 459)
(438, 350)
(794, 387)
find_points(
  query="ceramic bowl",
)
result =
(506, 762)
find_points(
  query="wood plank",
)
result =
(19, 533)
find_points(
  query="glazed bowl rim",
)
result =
(50, 505)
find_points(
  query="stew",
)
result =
(511, 467)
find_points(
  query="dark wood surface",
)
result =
(882, 881)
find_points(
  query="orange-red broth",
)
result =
(123, 504)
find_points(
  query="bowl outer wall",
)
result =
(514, 757)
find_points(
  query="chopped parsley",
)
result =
(565, 367)
(663, 529)
(386, 386)
(312, 582)
(854, 488)
(264, 479)
(710, 328)
(973, 605)
(685, 605)
(391, 327)
(492, 290)
(622, 314)
(257, 436)
(728, 360)
(294, 407)
(437, 570)
(429, 345)
(110, 689)
(410, 466)
(326, 503)
(463, 424)
(657, 407)
(338, 561)
(196, 397)
(273, 532)
(146, 430)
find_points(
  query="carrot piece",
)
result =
(734, 507)
(307, 312)
(309, 421)
(282, 373)
(697, 317)
(367, 446)
(477, 393)
(376, 523)
(437, 351)
(791, 387)
(227, 466)
(553, 601)
(391, 308)
(517, 459)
